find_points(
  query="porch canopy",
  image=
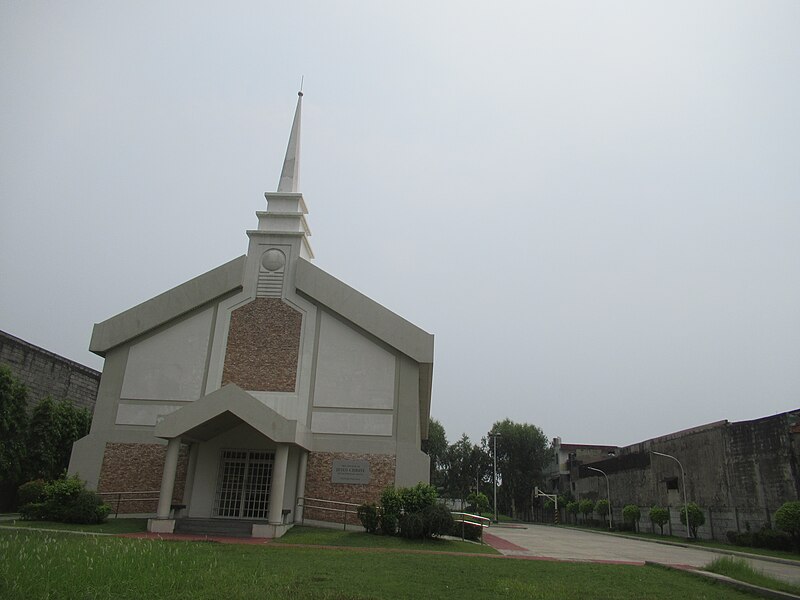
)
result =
(226, 408)
(216, 413)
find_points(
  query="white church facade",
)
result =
(259, 383)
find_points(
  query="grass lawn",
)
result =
(317, 536)
(737, 568)
(110, 526)
(36, 564)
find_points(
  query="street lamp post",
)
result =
(608, 493)
(495, 435)
(683, 476)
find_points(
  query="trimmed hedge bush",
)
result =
(66, 500)
(412, 512)
(368, 515)
(766, 538)
(32, 491)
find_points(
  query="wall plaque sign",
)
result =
(350, 471)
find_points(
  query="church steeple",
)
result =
(285, 217)
(291, 164)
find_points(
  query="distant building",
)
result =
(738, 473)
(45, 373)
(566, 457)
(259, 383)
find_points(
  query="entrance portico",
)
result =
(251, 480)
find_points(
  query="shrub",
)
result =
(659, 516)
(86, 508)
(60, 494)
(67, 500)
(787, 518)
(390, 511)
(368, 515)
(632, 514)
(696, 517)
(412, 525)
(32, 491)
(468, 531)
(766, 538)
(437, 520)
(33, 511)
(414, 499)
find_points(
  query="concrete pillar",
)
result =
(301, 484)
(278, 484)
(168, 478)
(194, 451)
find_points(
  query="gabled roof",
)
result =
(357, 308)
(370, 316)
(167, 306)
(226, 408)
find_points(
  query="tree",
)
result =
(659, 516)
(465, 467)
(572, 509)
(53, 428)
(632, 514)
(696, 517)
(522, 452)
(585, 507)
(436, 448)
(787, 518)
(13, 429)
(601, 507)
(478, 503)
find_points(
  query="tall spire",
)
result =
(291, 164)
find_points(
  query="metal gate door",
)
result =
(243, 484)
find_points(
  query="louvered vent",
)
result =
(270, 274)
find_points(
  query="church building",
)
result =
(258, 388)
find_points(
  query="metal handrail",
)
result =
(301, 502)
(470, 519)
(120, 499)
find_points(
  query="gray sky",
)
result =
(595, 206)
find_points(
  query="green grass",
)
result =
(110, 526)
(36, 565)
(316, 536)
(738, 568)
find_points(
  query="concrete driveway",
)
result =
(543, 541)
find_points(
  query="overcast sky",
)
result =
(594, 206)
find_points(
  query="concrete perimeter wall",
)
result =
(47, 374)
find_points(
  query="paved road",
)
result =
(571, 544)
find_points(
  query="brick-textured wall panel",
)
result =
(319, 483)
(138, 468)
(47, 374)
(263, 346)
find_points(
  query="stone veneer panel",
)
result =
(138, 468)
(319, 482)
(263, 346)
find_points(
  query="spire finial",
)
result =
(291, 164)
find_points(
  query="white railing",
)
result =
(467, 519)
(329, 505)
(120, 497)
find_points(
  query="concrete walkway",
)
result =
(543, 541)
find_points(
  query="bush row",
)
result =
(410, 512)
(65, 500)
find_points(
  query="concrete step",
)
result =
(220, 527)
